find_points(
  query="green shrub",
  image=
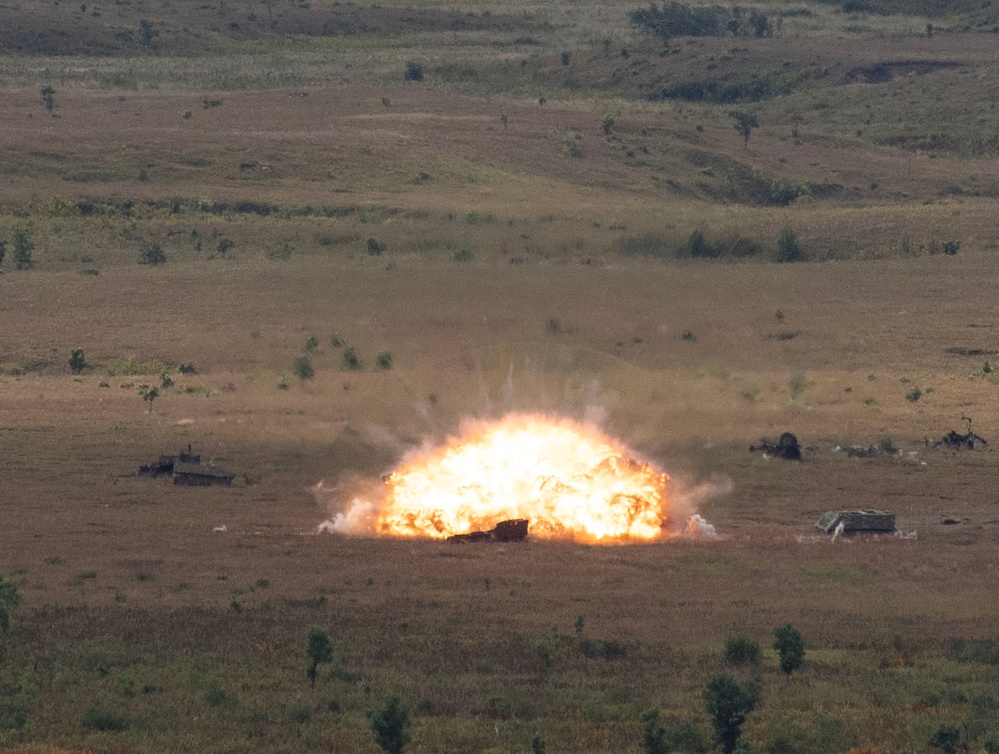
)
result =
(790, 648)
(788, 248)
(572, 143)
(23, 250)
(729, 703)
(77, 361)
(699, 248)
(390, 723)
(302, 367)
(948, 739)
(350, 361)
(744, 123)
(151, 253)
(319, 650)
(414, 71)
(671, 734)
(740, 650)
(383, 361)
(375, 247)
(462, 255)
(914, 395)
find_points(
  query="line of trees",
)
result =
(681, 20)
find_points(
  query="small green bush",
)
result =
(77, 361)
(390, 723)
(790, 648)
(572, 143)
(740, 650)
(728, 704)
(914, 395)
(788, 248)
(414, 71)
(383, 361)
(23, 250)
(302, 367)
(375, 247)
(319, 650)
(350, 361)
(699, 248)
(151, 253)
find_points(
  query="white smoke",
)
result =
(698, 526)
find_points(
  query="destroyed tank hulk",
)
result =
(514, 530)
(786, 447)
(954, 441)
(857, 522)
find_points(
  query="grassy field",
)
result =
(526, 207)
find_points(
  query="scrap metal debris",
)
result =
(786, 447)
(955, 441)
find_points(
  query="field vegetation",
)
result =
(304, 237)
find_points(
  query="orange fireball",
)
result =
(569, 479)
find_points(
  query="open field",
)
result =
(202, 198)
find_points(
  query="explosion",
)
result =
(569, 479)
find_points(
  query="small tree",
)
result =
(744, 123)
(790, 647)
(383, 361)
(390, 723)
(149, 394)
(3, 250)
(23, 248)
(729, 704)
(788, 248)
(77, 361)
(303, 368)
(320, 649)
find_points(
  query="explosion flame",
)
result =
(569, 479)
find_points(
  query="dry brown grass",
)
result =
(129, 575)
